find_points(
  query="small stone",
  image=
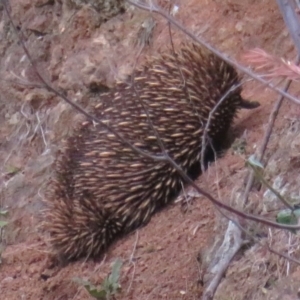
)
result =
(15, 118)
(239, 26)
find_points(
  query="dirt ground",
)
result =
(75, 51)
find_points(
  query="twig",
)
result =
(231, 244)
(291, 19)
(73, 104)
(225, 255)
(297, 261)
(266, 138)
(210, 116)
(261, 178)
(213, 285)
(245, 70)
(131, 260)
(163, 158)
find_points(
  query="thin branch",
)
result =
(292, 19)
(73, 104)
(231, 245)
(210, 116)
(131, 260)
(245, 70)
(267, 136)
(163, 158)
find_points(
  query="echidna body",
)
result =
(102, 188)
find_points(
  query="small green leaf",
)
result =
(109, 286)
(12, 170)
(94, 292)
(3, 212)
(115, 273)
(92, 289)
(257, 168)
(288, 217)
(3, 224)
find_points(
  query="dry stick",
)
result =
(132, 262)
(205, 132)
(185, 89)
(162, 158)
(291, 18)
(161, 145)
(284, 255)
(146, 111)
(176, 57)
(211, 288)
(221, 266)
(231, 244)
(214, 283)
(245, 70)
(292, 21)
(209, 292)
(212, 49)
(73, 104)
(21, 81)
(210, 116)
(266, 139)
(167, 158)
(188, 95)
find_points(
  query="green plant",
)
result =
(3, 223)
(3, 213)
(289, 216)
(109, 287)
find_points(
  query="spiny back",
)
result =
(103, 188)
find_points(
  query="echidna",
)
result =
(102, 188)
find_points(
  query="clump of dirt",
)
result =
(81, 53)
